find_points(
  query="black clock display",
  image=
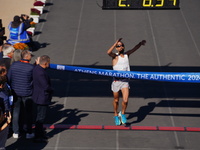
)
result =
(140, 4)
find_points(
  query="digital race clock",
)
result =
(140, 4)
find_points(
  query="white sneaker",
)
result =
(15, 135)
(30, 136)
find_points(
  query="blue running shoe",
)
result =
(122, 117)
(117, 121)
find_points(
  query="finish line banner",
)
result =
(154, 76)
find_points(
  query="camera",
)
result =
(25, 17)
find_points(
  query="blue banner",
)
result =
(155, 76)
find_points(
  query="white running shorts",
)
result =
(119, 84)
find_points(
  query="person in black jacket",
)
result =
(26, 20)
(27, 24)
(20, 79)
(42, 95)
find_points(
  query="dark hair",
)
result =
(122, 43)
(16, 22)
(3, 80)
(2, 69)
(22, 17)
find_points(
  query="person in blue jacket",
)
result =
(18, 32)
(20, 79)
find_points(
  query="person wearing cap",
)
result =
(120, 61)
(20, 79)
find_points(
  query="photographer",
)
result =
(27, 23)
(17, 31)
(26, 20)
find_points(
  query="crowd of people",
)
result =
(23, 85)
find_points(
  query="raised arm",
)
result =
(110, 50)
(136, 47)
(7, 122)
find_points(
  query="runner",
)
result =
(120, 62)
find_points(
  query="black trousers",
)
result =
(27, 111)
(40, 118)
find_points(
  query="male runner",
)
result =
(120, 62)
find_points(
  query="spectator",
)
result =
(42, 95)
(3, 70)
(4, 94)
(16, 55)
(4, 128)
(20, 80)
(5, 114)
(18, 32)
(8, 51)
(27, 22)
(7, 89)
